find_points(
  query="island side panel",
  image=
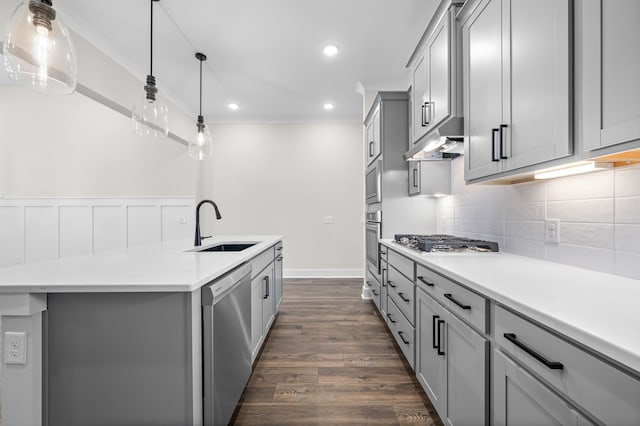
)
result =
(119, 359)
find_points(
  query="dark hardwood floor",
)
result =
(329, 359)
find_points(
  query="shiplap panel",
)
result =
(177, 223)
(11, 235)
(41, 233)
(75, 230)
(109, 228)
(143, 225)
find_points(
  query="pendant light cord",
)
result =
(151, 41)
(200, 86)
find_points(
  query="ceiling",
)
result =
(264, 55)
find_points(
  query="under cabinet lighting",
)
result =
(573, 170)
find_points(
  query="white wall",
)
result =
(598, 212)
(283, 179)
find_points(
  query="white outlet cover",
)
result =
(15, 347)
(552, 230)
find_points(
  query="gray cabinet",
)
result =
(263, 298)
(431, 178)
(435, 94)
(517, 112)
(610, 68)
(373, 144)
(451, 363)
(519, 399)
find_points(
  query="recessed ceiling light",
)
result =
(331, 49)
(233, 106)
(329, 106)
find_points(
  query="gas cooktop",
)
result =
(444, 242)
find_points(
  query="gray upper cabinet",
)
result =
(373, 131)
(610, 67)
(516, 74)
(434, 94)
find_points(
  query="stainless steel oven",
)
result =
(373, 182)
(372, 237)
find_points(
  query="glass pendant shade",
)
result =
(150, 114)
(201, 143)
(37, 49)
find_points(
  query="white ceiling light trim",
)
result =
(331, 50)
(328, 106)
(233, 106)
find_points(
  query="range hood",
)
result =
(443, 143)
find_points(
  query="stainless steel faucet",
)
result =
(198, 238)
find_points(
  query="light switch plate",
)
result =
(15, 347)
(327, 219)
(552, 231)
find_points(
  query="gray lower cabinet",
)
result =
(263, 298)
(451, 364)
(519, 399)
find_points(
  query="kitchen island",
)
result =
(115, 337)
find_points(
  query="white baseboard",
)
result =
(323, 273)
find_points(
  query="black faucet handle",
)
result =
(206, 236)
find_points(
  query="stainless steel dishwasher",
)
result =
(226, 315)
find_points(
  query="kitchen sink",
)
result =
(227, 247)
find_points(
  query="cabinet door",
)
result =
(430, 367)
(536, 81)
(467, 366)
(419, 98)
(482, 73)
(268, 288)
(257, 295)
(611, 68)
(438, 74)
(520, 399)
(373, 143)
(414, 177)
(369, 143)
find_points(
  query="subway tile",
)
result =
(628, 238)
(581, 187)
(627, 264)
(587, 234)
(525, 211)
(529, 192)
(627, 210)
(595, 259)
(598, 210)
(529, 230)
(523, 247)
(627, 182)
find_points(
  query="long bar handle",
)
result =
(460, 304)
(434, 341)
(415, 177)
(553, 365)
(266, 287)
(374, 292)
(440, 351)
(425, 281)
(502, 148)
(401, 334)
(371, 149)
(493, 144)
(391, 284)
(391, 319)
(401, 295)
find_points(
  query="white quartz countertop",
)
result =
(167, 266)
(598, 310)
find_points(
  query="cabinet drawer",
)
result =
(610, 395)
(373, 286)
(402, 291)
(261, 261)
(401, 263)
(402, 331)
(464, 303)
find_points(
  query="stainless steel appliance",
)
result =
(226, 314)
(444, 242)
(373, 179)
(373, 232)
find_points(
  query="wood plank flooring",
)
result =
(329, 359)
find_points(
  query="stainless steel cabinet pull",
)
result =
(266, 287)
(402, 297)
(426, 282)
(391, 319)
(406, 342)
(460, 304)
(493, 144)
(440, 351)
(434, 341)
(502, 148)
(553, 365)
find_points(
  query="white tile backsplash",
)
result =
(599, 217)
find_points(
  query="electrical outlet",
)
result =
(15, 347)
(552, 231)
(182, 220)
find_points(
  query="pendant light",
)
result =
(37, 49)
(201, 143)
(150, 114)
